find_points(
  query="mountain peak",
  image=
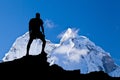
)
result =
(73, 52)
(69, 33)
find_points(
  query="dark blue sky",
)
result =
(99, 20)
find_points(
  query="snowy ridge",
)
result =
(73, 52)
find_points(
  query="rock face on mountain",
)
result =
(37, 67)
(72, 53)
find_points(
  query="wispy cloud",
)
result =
(49, 23)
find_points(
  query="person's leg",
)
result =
(43, 45)
(44, 42)
(28, 45)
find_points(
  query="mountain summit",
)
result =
(73, 52)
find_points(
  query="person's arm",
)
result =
(30, 29)
(42, 28)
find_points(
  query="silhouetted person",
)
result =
(35, 26)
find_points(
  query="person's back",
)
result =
(34, 31)
(35, 24)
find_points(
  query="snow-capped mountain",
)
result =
(73, 52)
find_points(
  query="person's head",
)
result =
(37, 15)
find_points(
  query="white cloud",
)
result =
(49, 23)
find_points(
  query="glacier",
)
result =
(73, 52)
